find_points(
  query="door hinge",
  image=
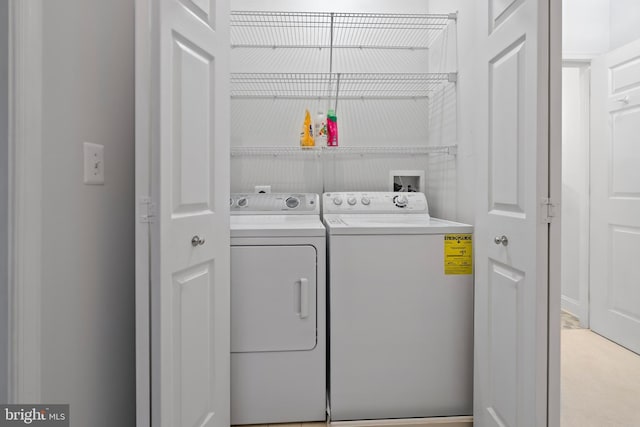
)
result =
(147, 210)
(548, 210)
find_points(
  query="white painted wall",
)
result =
(575, 191)
(461, 184)
(375, 123)
(625, 22)
(4, 176)
(88, 307)
(585, 28)
(593, 27)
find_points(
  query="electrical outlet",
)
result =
(262, 189)
(93, 164)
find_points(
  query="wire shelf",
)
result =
(275, 151)
(388, 86)
(339, 151)
(283, 85)
(336, 30)
(337, 85)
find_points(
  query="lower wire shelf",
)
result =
(340, 151)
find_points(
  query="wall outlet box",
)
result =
(407, 181)
(93, 164)
(262, 189)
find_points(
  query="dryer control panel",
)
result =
(374, 202)
(274, 203)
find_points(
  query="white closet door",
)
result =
(189, 144)
(615, 196)
(511, 240)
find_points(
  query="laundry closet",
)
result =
(442, 113)
(390, 78)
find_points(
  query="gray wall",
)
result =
(4, 111)
(88, 327)
(585, 28)
(625, 22)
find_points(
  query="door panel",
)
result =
(273, 298)
(506, 138)
(202, 9)
(506, 289)
(194, 357)
(625, 153)
(615, 196)
(623, 292)
(191, 124)
(188, 116)
(511, 281)
(500, 10)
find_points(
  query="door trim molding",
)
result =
(555, 193)
(143, 11)
(25, 200)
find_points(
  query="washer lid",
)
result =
(358, 224)
(276, 226)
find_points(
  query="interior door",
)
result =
(615, 197)
(511, 239)
(190, 260)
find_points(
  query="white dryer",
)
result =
(278, 282)
(400, 310)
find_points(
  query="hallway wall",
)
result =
(88, 341)
(624, 18)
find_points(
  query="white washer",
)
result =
(401, 330)
(278, 285)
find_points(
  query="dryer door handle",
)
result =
(304, 298)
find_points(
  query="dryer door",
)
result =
(273, 298)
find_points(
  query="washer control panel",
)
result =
(374, 202)
(274, 203)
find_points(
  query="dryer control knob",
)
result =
(352, 201)
(243, 202)
(365, 201)
(401, 201)
(337, 201)
(292, 202)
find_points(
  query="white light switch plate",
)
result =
(93, 164)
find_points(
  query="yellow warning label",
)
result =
(458, 253)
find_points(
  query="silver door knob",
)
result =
(197, 241)
(501, 240)
(624, 100)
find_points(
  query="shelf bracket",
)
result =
(452, 77)
(453, 16)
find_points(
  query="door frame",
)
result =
(144, 211)
(585, 89)
(555, 195)
(24, 286)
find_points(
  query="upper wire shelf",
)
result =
(336, 30)
(337, 85)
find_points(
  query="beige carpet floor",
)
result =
(600, 382)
